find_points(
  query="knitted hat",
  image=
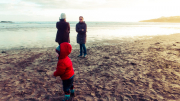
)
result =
(63, 16)
(58, 49)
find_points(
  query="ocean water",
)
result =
(42, 34)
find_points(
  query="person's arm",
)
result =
(57, 25)
(60, 69)
(78, 29)
(85, 29)
(68, 27)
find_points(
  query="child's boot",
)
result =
(66, 97)
(72, 93)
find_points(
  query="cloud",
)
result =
(83, 4)
(67, 4)
(92, 9)
(146, 7)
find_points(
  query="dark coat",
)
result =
(81, 36)
(62, 32)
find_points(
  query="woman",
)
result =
(63, 30)
(81, 29)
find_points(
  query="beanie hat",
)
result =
(58, 49)
(63, 16)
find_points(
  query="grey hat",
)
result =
(63, 16)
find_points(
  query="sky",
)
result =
(91, 10)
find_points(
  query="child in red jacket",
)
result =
(64, 69)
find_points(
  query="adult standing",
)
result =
(81, 29)
(63, 30)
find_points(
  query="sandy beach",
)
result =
(136, 70)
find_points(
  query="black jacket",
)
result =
(81, 36)
(63, 31)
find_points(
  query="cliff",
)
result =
(173, 19)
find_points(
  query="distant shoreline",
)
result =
(172, 19)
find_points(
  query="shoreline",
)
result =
(95, 43)
(144, 69)
(88, 45)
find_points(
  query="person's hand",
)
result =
(82, 29)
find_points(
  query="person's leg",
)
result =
(66, 89)
(80, 50)
(84, 48)
(72, 87)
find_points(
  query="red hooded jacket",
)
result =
(64, 67)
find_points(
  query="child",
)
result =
(64, 69)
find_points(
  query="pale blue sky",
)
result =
(92, 10)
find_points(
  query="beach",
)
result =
(143, 69)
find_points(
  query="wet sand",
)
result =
(140, 70)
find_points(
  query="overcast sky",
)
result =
(92, 10)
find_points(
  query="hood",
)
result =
(65, 50)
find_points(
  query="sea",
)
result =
(42, 34)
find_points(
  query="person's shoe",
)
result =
(85, 55)
(79, 55)
(66, 97)
(72, 93)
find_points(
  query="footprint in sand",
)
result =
(157, 43)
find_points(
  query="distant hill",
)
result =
(6, 22)
(173, 19)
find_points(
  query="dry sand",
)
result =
(141, 70)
